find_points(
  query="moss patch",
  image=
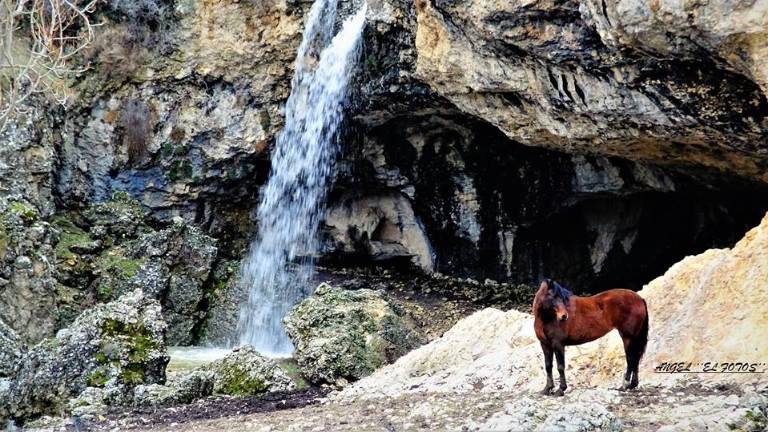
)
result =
(71, 237)
(291, 368)
(114, 268)
(133, 337)
(24, 211)
(98, 378)
(238, 383)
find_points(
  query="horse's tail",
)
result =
(639, 348)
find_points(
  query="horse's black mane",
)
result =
(559, 290)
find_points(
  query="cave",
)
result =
(495, 209)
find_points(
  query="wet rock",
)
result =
(173, 266)
(114, 346)
(245, 372)
(225, 299)
(340, 334)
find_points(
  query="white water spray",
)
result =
(279, 266)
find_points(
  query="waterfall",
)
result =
(278, 268)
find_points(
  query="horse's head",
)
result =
(553, 299)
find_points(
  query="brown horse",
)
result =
(561, 319)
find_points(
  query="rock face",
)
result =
(620, 77)
(380, 228)
(10, 350)
(115, 252)
(198, 112)
(708, 297)
(618, 135)
(27, 284)
(115, 346)
(346, 335)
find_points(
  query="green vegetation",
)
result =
(238, 383)
(291, 367)
(114, 268)
(98, 378)
(180, 169)
(24, 211)
(132, 374)
(138, 341)
(71, 236)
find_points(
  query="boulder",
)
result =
(343, 335)
(173, 265)
(245, 372)
(179, 390)
(114, 346)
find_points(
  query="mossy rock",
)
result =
(115, 270)
(344, 335)
(26, 212)
(122, 216)
(245, 372)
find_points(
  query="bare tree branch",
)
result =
(40, 41)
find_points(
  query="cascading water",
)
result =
(279, 265)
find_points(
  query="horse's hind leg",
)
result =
(633, 351)
(630, 369)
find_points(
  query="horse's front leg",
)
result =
(560, 355)
(548, 367)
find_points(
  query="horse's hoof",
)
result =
(546, 391)
(559, 392)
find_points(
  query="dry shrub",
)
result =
(117, 52)
(136, 123)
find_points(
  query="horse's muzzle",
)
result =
(564, 318)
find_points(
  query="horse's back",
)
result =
(624, 308)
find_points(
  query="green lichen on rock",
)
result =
(120, 217)
(135, 344)
(346, 335)
(245, 372)
(115, 270)
(26, 212)
(98, 378)
(71, 239)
